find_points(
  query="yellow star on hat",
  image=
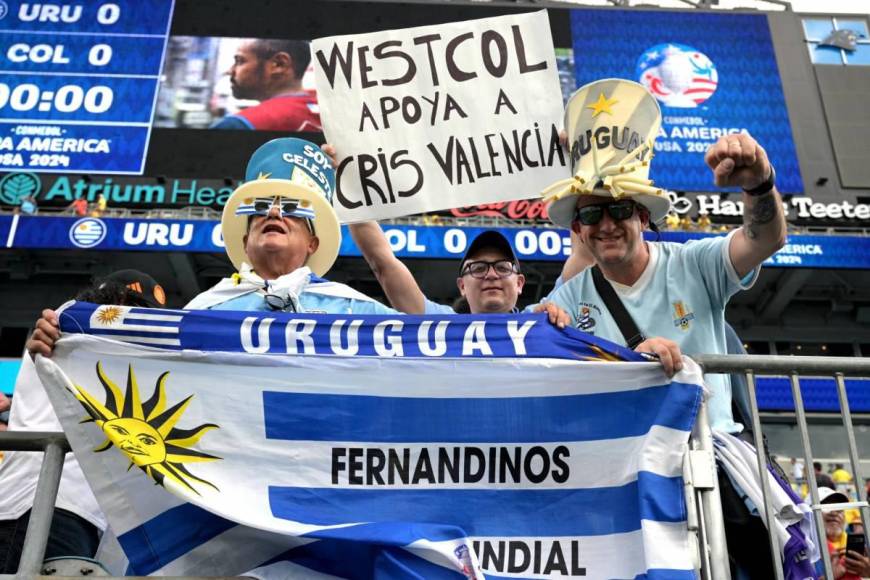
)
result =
(602, 105)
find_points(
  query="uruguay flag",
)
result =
(323, 446)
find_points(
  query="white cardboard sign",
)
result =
(443, 116)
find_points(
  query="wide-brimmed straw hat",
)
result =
(294, 169)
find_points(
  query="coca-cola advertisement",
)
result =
(521, 209)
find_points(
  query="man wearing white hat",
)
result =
(674, 292)
(282, 235)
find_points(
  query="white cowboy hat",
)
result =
(612, 125)
(286, 168)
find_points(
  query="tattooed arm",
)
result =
(738, 160)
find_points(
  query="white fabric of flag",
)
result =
(375, 447)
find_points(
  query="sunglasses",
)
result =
(286, 206)
(589, 215)
(479, 269)
(278, 304)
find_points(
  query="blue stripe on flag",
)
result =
(504, 512)
(364, 561)
(220, 331)
(661, 498)
(324, 417)
(139, 320)
(168, 536)
(170, 311)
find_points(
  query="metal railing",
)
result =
(55, 446)
(796, 367)
(705, 517)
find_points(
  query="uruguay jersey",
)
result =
(435, 308)
(681, 296)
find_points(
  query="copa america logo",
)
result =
(87, 232)
(677, 75)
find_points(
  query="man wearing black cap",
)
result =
(490, 279)
(77, 520)
(128, 287)
(489, 275)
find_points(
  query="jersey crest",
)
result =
(682, 315)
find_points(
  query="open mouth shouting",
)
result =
(273, 226)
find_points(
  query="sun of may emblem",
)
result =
(146, 432)
(108, 314)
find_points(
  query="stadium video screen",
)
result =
(222, 83)
(79, 101)
(237, 83)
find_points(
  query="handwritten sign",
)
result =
(443, 116)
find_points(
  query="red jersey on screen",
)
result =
(293, 112)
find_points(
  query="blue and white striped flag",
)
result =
(315, 446)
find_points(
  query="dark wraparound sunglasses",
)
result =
(589, 215)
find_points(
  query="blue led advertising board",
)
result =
(78, 83)
(407, 241)
(713, 74)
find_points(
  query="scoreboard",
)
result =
(78, 84)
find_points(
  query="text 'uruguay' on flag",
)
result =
(374, 447)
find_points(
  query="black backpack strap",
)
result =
(632, 335)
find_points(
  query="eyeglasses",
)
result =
(279, 304)
(287, 207)
(589, 215)
(480, 268)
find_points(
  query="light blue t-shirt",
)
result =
(680, 296)
(435, 308)
(309, 302)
